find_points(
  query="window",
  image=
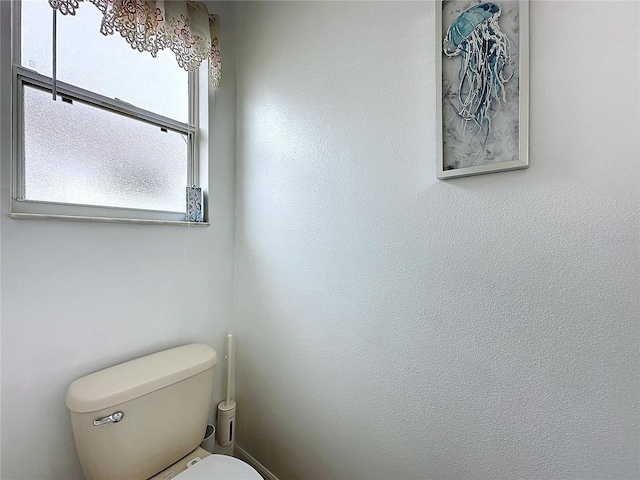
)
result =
(123, 138)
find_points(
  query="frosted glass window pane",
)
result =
(103, 64)
(82, 154)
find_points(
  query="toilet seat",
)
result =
(219, 467)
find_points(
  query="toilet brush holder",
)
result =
(226, 423)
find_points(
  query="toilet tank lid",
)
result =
(126, 381)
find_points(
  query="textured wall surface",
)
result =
(78, 297)
(393, 326)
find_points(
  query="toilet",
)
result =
(145, 419)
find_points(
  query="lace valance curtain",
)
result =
(184, 27)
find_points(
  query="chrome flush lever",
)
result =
(113, 418)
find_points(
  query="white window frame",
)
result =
(195, 131)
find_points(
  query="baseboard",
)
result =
(242, 454)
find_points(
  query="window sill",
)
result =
(76, 218)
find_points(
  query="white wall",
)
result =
(77, 297)
(394, 326)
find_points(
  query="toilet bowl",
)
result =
(219, 467)
(201, 465)
(145, 419)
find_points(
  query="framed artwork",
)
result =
(482, 68)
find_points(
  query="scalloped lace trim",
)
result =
(186, 28)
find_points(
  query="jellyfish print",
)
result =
(476, 38)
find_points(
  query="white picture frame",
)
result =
(466, 147)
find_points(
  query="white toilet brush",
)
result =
(227, 408)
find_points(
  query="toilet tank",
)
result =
(165, 400)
